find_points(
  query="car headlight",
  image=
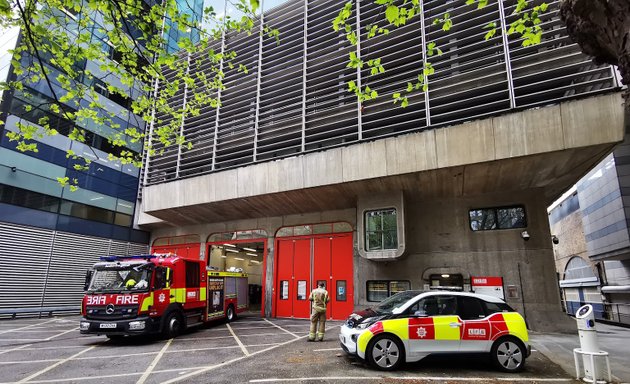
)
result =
(366, 323)
(84, 326)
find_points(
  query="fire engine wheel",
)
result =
(385, 352)
(508, 354)
(172, 325)
(230, 314)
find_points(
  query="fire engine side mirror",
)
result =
(160, 278)
(88, 279)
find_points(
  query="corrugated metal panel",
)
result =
(72, 256)
(24, 256)
(137, 249)
(474, 78)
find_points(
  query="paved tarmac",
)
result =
(612, 339)
(257, 350)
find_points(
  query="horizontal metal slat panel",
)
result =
(24, 257)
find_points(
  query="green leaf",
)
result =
(391, 13)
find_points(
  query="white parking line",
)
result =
(282, 329)
(212, 367)
(407, 378)
(62, 333)
(147, 372)
(26, 327)
(34, 375)
(238, 341)
(17, 348)
(105, 357)
(326, 349)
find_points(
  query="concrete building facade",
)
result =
(449, 192)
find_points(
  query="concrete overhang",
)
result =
(547, 148)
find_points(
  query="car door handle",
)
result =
(453, 325)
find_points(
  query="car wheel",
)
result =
(230, 314)
(173, 325)
(508, 355)
(385, 352)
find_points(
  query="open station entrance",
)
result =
(307, 255)
(242, 251)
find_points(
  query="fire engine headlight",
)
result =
(84, 326)
(136, 325)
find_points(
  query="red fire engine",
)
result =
(166, 294)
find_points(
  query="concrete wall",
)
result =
(439, 240)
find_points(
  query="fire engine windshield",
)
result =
(120, 278)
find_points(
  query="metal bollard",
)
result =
(589, 347)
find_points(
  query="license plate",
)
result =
(108, 325)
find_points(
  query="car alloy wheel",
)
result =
(385, 353)
(508, 355)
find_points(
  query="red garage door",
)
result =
(305, 261)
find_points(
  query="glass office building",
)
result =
(49, 235)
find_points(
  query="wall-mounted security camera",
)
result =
(525, 235)
(554, 239)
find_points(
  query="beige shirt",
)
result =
(319, 297)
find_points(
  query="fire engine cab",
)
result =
(166, 294)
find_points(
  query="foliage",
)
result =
(81, 50)
(396, 13)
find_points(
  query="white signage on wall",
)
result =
(488, 285)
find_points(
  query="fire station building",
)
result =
(295, 182)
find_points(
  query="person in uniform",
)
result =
(319, 298)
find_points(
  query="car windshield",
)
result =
(121, 278)
(388, 305)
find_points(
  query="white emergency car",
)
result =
(411, 325)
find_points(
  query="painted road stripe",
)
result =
(326, 349)
(224, 337)
(238, 341)
(34, 375)
(282, 329)
(26, 327)
(157, 358)
(24, 347)
(137, 354)
(212, 367)
(80, 379)
(62, 333)
(407, 378)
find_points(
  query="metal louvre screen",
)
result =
(299, 102)
(235, 134)
(470, 79)
(72, 256)
(331, 111)
(555, 69)
(199, 130)
(24, 256)
(42, 267)
(281, 90)
(164, 166)
(378, 117)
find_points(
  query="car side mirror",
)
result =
(420, 314)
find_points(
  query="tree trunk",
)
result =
(602, 30)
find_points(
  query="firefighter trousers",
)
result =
(318, 324)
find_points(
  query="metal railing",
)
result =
(295, 97)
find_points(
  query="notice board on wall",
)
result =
(488, 285)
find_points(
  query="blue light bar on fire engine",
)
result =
(117, 258)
